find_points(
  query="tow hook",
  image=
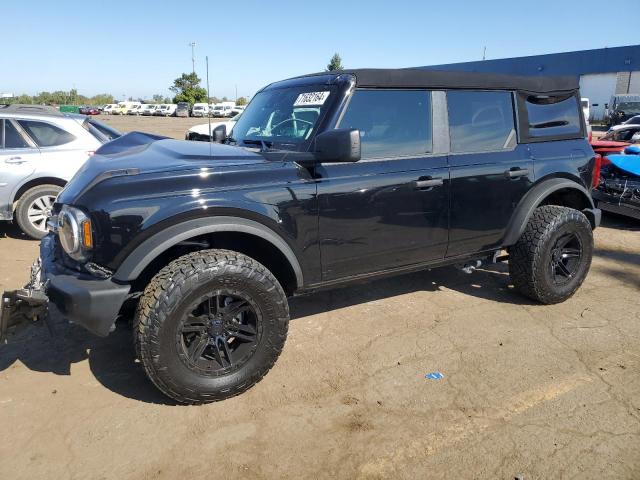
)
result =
(469, 267)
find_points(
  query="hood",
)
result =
(138, 153)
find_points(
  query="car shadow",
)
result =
(620, 222)
(11, 230)
(112, 359)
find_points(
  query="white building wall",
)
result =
(598, 88)
(634, 84)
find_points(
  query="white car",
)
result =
(107, 108)
(43, 149)
(635, 120)
(223, 109)
(134, 109)
(200, 110)
(200, 132)
(148, 109)
(237, 110)
(166, 110)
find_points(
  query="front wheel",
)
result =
(552, 257)
(210, 325)
(33, 209)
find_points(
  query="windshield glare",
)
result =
(286, 116)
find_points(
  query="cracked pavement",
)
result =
(538, 391)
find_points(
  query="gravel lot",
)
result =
(170, 126)
(539, 391)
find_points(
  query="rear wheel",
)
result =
(33, 209)
(210, 325)
(552, 257)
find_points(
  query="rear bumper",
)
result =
(613, 204)
(83, 299)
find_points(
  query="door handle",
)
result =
(428, 182)
(516, 172)
(14, 160)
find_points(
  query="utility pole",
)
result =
(236, 93)
(484, 53)
(193, 56)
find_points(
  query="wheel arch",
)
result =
(552, 191)
(36, 182)
(220, 227)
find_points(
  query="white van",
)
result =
(134, 109)
(108, 107)
(166, 110)
(147, 109)
(223, 109)
(200, 110)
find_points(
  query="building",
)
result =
(603, 72)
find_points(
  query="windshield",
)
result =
(286, 116)
(629, 106)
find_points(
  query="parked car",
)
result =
(618, 188)
(89, 111)
(134, 109)
(606, 147)
(201, 133)
(108, 108)
(165, 110)
(327, 179)
(237, 110)
(621, 107)
(635, 120)
(182, 109)
(148, 109)
(626, 133)
(40, 150)
(222, 109)
(200, 110)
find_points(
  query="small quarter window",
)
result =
(480, 121)
(45, 134)
(553, 116)
(12, 138)
(392, 123)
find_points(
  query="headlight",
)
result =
(74, 231)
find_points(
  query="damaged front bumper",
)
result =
(86, 300)
(29, 304)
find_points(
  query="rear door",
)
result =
(391, 208)
(490, 172)
(61, 151)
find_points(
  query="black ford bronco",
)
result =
(325, 179)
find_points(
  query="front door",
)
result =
(18, 159)
(391, 208)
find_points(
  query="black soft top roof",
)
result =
(416, 78)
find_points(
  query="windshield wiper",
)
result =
(266, 146)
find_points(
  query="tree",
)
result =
(335, 63)
(187, 89)
(241, 101)
(158, 98)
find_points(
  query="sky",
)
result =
(138, 47)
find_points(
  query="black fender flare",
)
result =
(532, 200)
(147, 251)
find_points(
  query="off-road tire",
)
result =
(158, 313)
(530, 257)
(25, 201)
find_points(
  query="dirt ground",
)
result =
(170, 126)
(539, 391)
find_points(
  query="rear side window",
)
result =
(392, 123)
(480, 121)
(45, 134)
(552, 116)
(12, 138)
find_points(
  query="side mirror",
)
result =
(219, 134)
(340, 145)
